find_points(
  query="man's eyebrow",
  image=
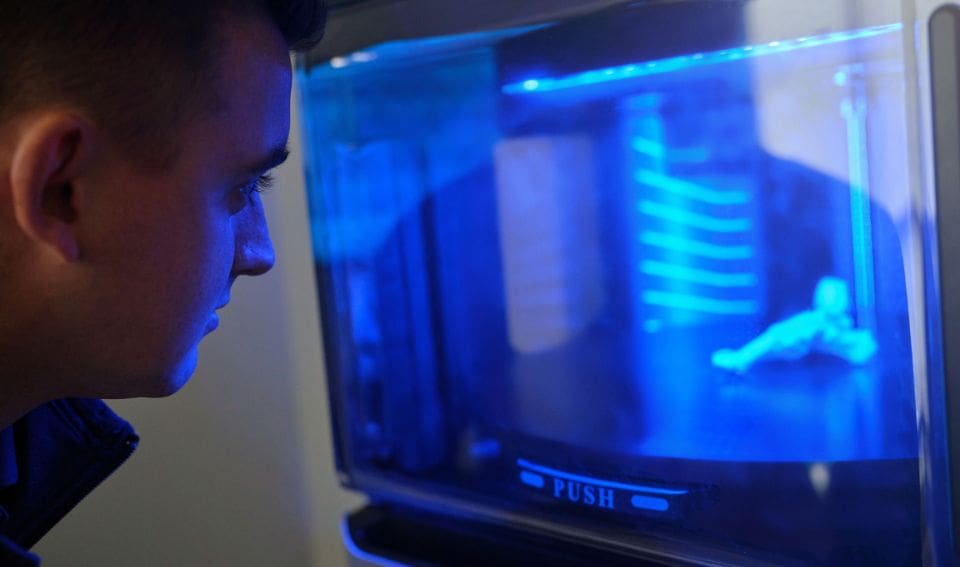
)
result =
(276, 156)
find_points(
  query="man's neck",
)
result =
(19, 389)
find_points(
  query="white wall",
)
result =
(236, 469)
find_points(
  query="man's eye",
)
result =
(260, 185)
(244, 195)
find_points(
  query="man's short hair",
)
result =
(139, 68)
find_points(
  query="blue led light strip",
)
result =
(697, 276)
(531, 479)
(695, 247)
(679, 63)
(598, 482)
(687, 218)
(659, 151)
(699, 304)
(649, 503)
(649, 147)
(689, 190)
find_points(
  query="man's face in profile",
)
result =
(169, 245)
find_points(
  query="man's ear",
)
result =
(52, 151)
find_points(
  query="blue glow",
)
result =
(682, 62)
(689, 189)
(700, 304)
(360, 554)
(485, 449)
(649, 503)
(531, 479)
(687, 218)
(696, 247)
(659, 151)
(649, 147)
(597, 482)
(698, 276)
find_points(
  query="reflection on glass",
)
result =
(594, 271)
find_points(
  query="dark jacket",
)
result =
(49, 460)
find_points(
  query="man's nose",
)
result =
(254, 253)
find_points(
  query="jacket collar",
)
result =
(56, 455)
(8, 459)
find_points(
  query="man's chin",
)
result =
(180, 376)
(155, 383)
(169, 388)
(171, 381)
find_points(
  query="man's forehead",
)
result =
(253, 81)
(250, 35)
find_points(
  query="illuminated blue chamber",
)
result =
(594, 284)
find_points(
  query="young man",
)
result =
(134, 138)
